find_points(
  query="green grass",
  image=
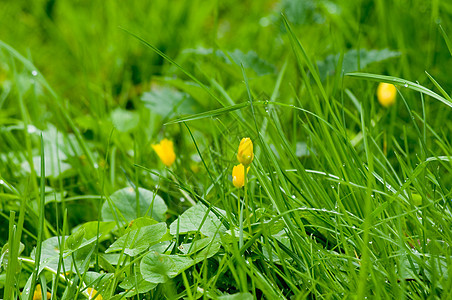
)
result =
(344, 198)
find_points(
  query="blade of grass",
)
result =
(402, 82)
(41, 208)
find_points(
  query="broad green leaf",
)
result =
(238, 296)
(97, 280)
(27, 289)
(105, 264)
(124, 120)
(124, 205)
(190, 248)
(5, 253)
(327, 67)
(249, 60)
(190, 221)
(158, 268)
(300, 12)
(201, 249)
(75, 239)
(110, 259)
(167, 102)
(208, 251)
(138, 240)
(58, 147)
(50, 254)
(130, 283)
(141, 222)
(91, 228)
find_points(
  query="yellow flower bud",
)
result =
(92, 292)
(386, 94)
(238, 175)
(165, 151)
(37, 295)
(245, 155)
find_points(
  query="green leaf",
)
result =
(141, 222)
(167, 102)
(58, 147)
(5, 252)
(238, 296)
(96, 280)
(75, 239)
(125, 120)
(190, 248)
(327, 67)
(91, 228)
(402, 82)
(190, 221)
(124, 204)
(110, 259)
(249, 60)
(300, 12)
(158, 268)
(138, 240)
(208, 251)
(50, 254)
(131, 282)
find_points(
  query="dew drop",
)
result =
(406, 84)
(31, 129)
(34, 73)
(264, 22)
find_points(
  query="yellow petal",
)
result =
(238, 175)
(37, 295)
(165, 151)
(245, 155)
(386, 94)
(92, 292)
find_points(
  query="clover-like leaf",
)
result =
(123, 205)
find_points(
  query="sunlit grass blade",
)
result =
(400, 82)
(41, 221)
(443, 92)
(446, 39)
(210, 114)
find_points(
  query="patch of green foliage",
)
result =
(344, 197)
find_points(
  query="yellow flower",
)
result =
(386, 94)
(92, 292)
(37, 295)
(165, 151)
(245, 155)
(238, 175)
